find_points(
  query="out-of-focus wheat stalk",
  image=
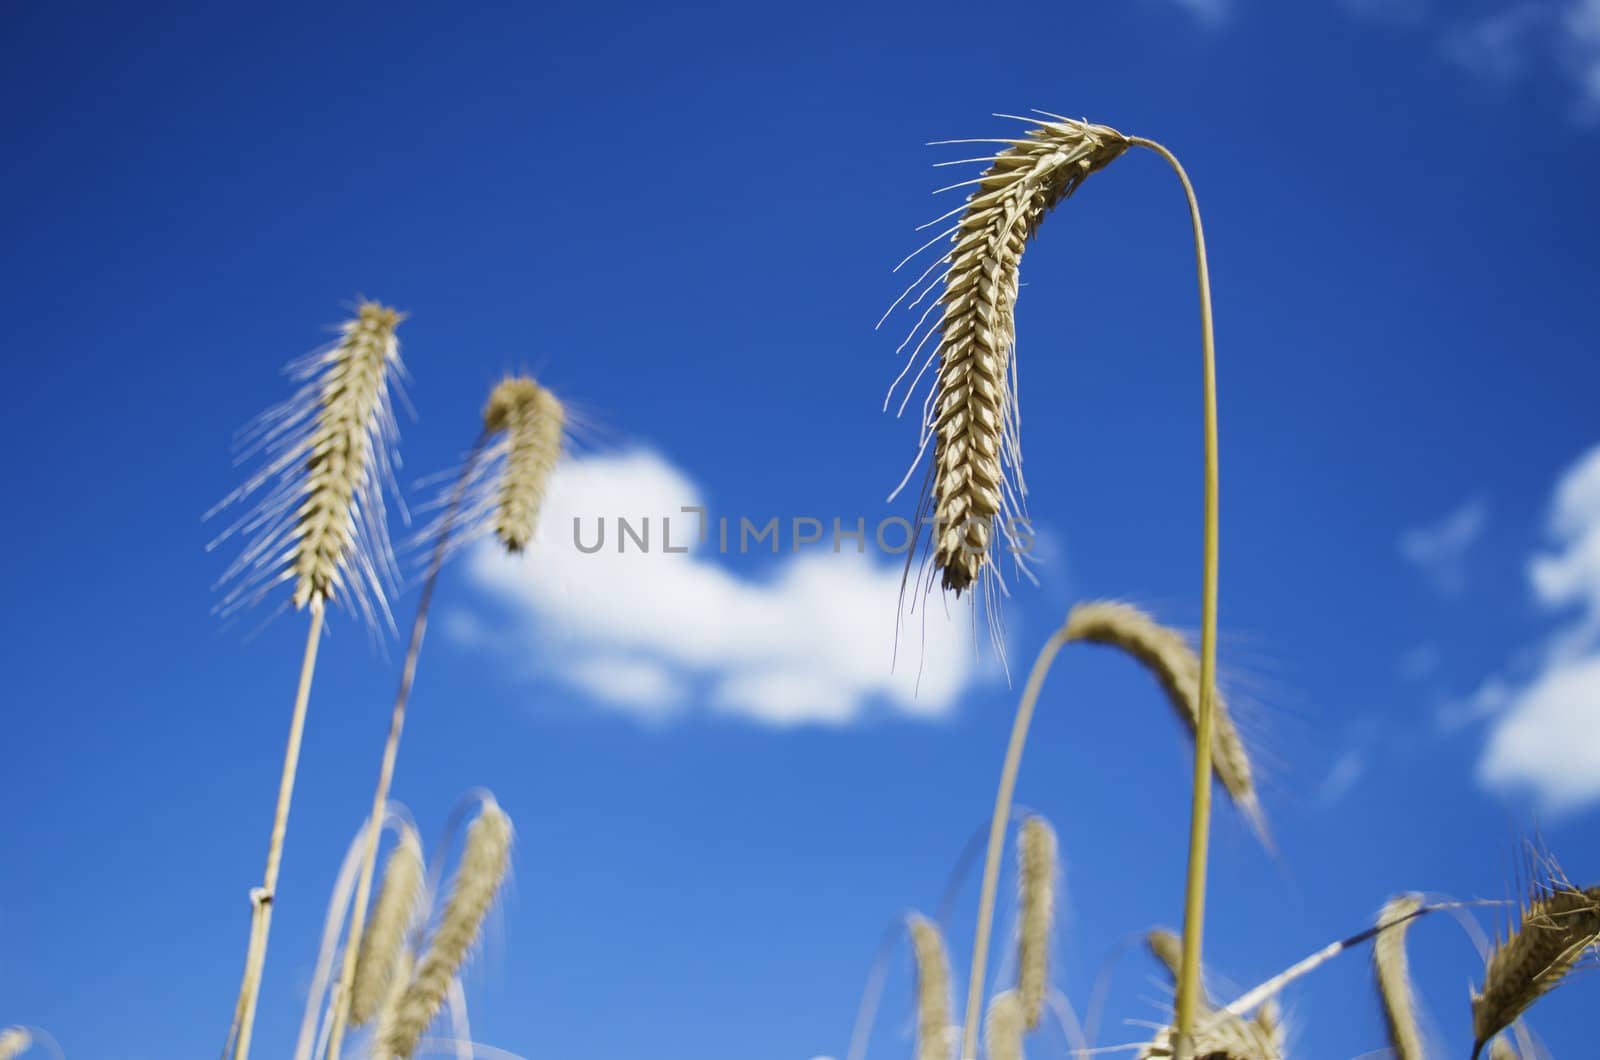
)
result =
(1394, 977)
(933, 988)
(320, 524)
(484, 863)
(1036, 875)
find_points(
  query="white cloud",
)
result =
(1347, 771)
(1207, 11)
(1498, 44)
(659, 633)
(1439, 551)
(1545, 738)
(1420, 662)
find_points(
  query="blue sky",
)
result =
(683, 220)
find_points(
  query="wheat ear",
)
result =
(1500, 1049)
(484, 864)
(1228, 1038)
(14, 1041)
(1176, 667)
(1394, 977)
(1558, 924)
(383, 940)
(322, 526)
(933, 988)
(1036, 874)
(389, 1009)
(1167, 948)
(973, 419)
(1004, 1025)
(532, 420)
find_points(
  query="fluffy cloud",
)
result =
(1439, 551)
(819, 638)
(1545, 738)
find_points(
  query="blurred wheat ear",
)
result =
(1003, 1026)
(1036, 874)
(933, 988)
(14, 1041)
(321, 525)
(1558, 930)
(532, 420)
(1394, 977)
(485, 861)
(1176, 667)
(383, 941)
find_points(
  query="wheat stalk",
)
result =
(484, 864)
(1558, 924)
(322, 525)
(933, 988)
(1394, 977)
(383, 940)
(1036, 874)
(1175, 665)
(14, 1041)
(1003, 1026)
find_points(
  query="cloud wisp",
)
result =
(813, 638)
(1439, 551)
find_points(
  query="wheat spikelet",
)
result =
(1219, 1037)
(1003, 1026)
(383, 941)
(1036, 873)
(1500, 1049)
(1269, 1021)
(972, 414)
(933, 988)
(1168, 656)
(484, 863)
(328, 456)
(14, 1041)
(1394, 977)
(383, 1031)
(1558, 924)
(532, 419)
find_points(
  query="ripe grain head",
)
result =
(485, 861)
(933, 988)
(971, 414)
(1559, 929)
(1036, 875)
(1394, 977)
(1176, 666)
(531, 419)
(383, 941)
(1004, 1025)
(327, 452)
(14, 1041)
(1219, 1036)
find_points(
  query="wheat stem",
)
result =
(391, 749)
(1194, 894)
(261, 898)
(997, 831)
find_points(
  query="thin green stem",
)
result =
(1194, 894)
(391, 749)
(244, 1015)
(997, 833)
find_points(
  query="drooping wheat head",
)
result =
(384, 1025)
(320, 522)
(484, 863)
(532, 420)
(1004, 1025)
(14, 1041)
(933, 988)
(1176, 666)
(971, 415)
(1558, 930)
(1036, 875)
(1394, 977)
(383, 941)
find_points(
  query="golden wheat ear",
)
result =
(933, 988)
(1004, 1025)
(485, 861)
(14, 1041)
(1394, 976)
(1219, 1037)
(384, 940)
(971, 415)
(1176, 667)
(1558, 930)
(1037, 870)
(320, 521)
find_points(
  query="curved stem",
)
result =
(1194, 892)
(244, 1015)
(997, 832)
(391, 749)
